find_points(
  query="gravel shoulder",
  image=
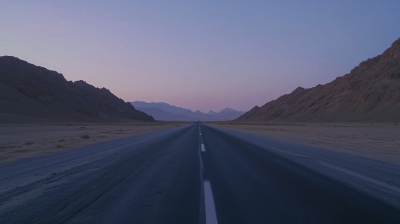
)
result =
(379, 141)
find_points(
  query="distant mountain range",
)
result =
(369, 93)
(30, 94)
(166, 112)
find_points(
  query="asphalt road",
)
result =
(199, 174)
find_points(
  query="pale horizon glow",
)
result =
(199, 55)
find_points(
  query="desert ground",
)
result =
(379, 141)
(20, 141)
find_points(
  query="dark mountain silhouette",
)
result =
(173, 113)
(227, 114)
(369, 93)
(163, 106)
(211, 112)
(29, 91)
(161, 115)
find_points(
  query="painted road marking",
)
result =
(211, 215)
(203, 149)
(200, 133)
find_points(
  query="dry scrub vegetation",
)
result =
(23, 141)
(380, 141)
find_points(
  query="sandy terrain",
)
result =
(377, 141)
(23, 141)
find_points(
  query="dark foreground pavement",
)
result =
(199, 174)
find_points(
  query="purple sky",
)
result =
(204, 55)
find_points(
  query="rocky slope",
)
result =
(33, 91)
(369, 93)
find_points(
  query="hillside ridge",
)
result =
(59, 98)
(369, 93)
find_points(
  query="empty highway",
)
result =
(199, 174)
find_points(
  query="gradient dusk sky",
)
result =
(204, 55)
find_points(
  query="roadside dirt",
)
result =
(379, 141)
(24, 141)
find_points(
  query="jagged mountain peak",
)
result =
(172, 112)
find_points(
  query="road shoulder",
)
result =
(379, 141)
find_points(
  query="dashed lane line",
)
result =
(211, 215)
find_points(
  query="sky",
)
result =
(201, 55)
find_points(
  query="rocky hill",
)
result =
(36, 92)
(369, 93)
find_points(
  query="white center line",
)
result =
(203, 149)
(211, 215)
